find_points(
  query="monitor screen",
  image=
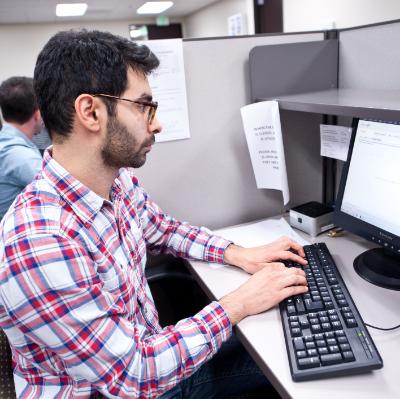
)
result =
(368, 199)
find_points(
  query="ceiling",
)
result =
(42, 11)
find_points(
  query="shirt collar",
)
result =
(84, 202)
(12, 130)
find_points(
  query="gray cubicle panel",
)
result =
(370, 57)
(208, 179)
(293, 68)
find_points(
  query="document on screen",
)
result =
(262, 127)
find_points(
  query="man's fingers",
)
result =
(293, 290)
(276, 265)
(294, 279)
(287, 255)
(298, 248)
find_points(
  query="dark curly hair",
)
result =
(81, 61)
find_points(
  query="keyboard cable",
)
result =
(381, 328)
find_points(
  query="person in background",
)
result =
(20, 159)
(42, 140)
(74, 300)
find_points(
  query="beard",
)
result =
(121, 148)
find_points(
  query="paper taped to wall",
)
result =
(262, 126)
(335, 141)
(169, 89)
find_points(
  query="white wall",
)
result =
(212, 20)
(308, 15)
(20, 44)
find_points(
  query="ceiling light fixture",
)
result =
(71, 10)
(154, 7)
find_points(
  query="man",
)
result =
(20, 160)
(75, 303)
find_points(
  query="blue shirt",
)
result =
(20, 161)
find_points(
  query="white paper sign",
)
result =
(262, 126)
(169, 89)
(335, 141)
(235, 25)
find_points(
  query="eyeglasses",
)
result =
(151, 104)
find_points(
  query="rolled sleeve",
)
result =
(165, 234)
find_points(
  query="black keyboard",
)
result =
(324, 332)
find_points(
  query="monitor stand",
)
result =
(380, 267)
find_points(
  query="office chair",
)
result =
(7, 388)
(177, 295)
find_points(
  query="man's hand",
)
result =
(254, 259)
(263, 290)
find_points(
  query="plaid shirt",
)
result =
(74, 301)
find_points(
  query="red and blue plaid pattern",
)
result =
(74, 301)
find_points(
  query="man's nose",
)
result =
(155, 126)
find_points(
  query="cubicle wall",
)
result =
(370, 57)
(208, 179)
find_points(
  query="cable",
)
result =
(382, 329)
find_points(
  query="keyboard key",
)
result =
(316, 328)
(333, 349)
(344, 347)
(291, 310)
(311, 306)
(308, 362)
(296, 332)
(332, 358)
(329, 305)
(351, 323)
(299, 344)
(348, 356)
(310, 345)
(299, 305)
(294, 324)
(331, 341)
(323, 351)
(301, 354)
(337, 325)
(330, 334)
(326, 326)
(312, 352)
(304, 324)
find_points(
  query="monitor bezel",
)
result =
(359, 227)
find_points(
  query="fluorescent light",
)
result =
(154, 7)
(71, 10)
(138, 32)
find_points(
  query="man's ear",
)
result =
(89, 112)
(37, 116)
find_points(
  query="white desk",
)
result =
(262, 335)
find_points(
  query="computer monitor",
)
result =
(368, 202)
